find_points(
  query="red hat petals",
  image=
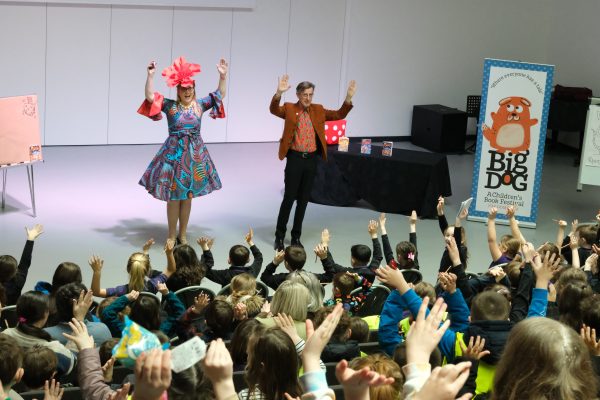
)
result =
(180, 73)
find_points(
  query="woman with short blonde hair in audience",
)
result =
(291, 298)
(544, 359)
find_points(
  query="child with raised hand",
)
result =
(422, 383)
(509, 246)
(190, 270)
(360, 255)
(585, 237)
(456, 231)
(243, 291)
(406, 252)
(145, 310)
(13, 275)
(343, 285)
(239, 256)
(141, 275)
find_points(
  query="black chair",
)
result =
(330, 373)
(339, 391)
(473, 109)
(71, 393)
(261, 289)
(9, 317)
(413, 276)
(239, 380)
(370, 347)
(374, 335)
(188, 294)
(374, 302)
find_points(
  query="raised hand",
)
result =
(321, 251)
(249, 237)
(475, 349)
(96, 263)
(286, 323)
(107, 369)
(325, 237)
(120, 394)
(351, 91)
(133, 295)
(169, 246)
(372, 228)
(151, 68)
(440, 206)
(205, 243)
(573, 242)
(562, 223)
(392, 277)
(147, 245)
(574, 226)
(497, 272)
(317, 339)
(529, 252)
(492, 213)
(79, 335)
(222, 68)
(283, 84)
(218, 368)
(152, 374)
(511, 211)
(589, 338)
(279, 256)
(52, 390)
(447, 282)
(34, 232)
(240, 312)
(545, 270)
(162, 288)
(412, 219)
(445, 382)
(200, 303)
(453, 252)
(355, 382)
(82, 304)
(426, 332)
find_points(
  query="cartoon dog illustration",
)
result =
(510, 130)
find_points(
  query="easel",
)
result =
(589, 167)
(29, 166)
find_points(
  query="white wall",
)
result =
(87, 62)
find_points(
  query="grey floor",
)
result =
(90, 203)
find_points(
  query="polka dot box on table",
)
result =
(334, 130)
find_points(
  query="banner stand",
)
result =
(29, 166)
(515, 102)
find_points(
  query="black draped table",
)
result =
(409, 180)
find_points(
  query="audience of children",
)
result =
(479, 326)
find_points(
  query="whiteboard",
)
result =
(589, 168)
(19, 131)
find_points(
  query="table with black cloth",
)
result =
(408, 180)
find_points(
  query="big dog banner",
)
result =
(515, 98)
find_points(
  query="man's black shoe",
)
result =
(278, 245)
(296, 242)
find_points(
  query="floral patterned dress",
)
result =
(182, 168)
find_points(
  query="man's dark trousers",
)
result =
(300, 172)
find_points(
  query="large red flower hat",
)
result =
(180, 73)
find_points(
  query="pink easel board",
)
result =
(19, 130)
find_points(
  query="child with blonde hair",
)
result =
(243, 291)
(142, 278)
